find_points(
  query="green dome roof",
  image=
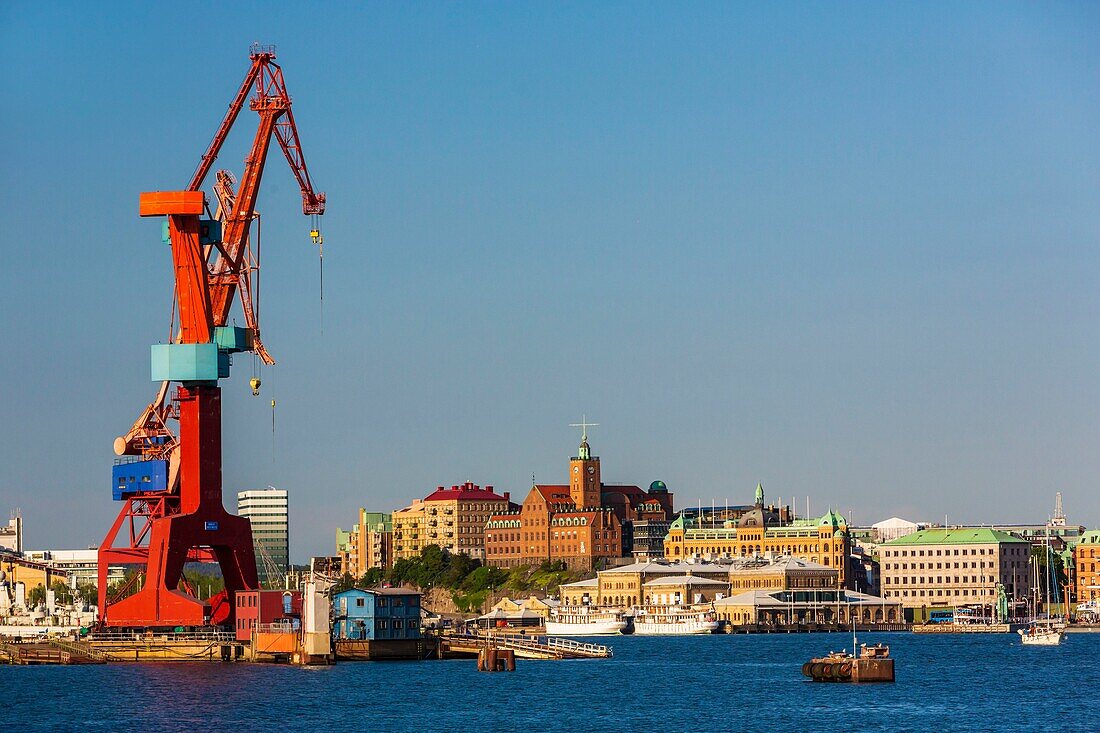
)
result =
(658, 485)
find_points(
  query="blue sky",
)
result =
(848, 250)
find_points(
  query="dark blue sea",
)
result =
(703, 683)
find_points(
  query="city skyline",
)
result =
(845, 255)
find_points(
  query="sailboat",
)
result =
(1045, 632)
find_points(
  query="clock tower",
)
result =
(584, 472)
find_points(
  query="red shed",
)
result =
(266, 607)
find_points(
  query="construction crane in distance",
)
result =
(171, 486)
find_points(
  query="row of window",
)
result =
(938, 566)
(939, 579)
(938, 592)
(1012, 550)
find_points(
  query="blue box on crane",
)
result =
(233, 338)
(210, 232)
(130, 478)
(188, 363)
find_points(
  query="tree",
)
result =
(36, 596)
(61, 592)
(89, 593)
(345, 582)
(372, 577)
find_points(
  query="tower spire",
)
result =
(585, 452)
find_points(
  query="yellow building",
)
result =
(665, 582)
(15, 569)
(454, 519)
(1086, 558)
(409, 537)
(825, 541)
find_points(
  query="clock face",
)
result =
(576, 469)
(592, 469)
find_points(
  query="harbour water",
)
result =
(968, 682)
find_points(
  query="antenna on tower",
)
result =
(1059, 519)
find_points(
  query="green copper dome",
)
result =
(658, 486)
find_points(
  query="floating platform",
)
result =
(367, 650)
(872, 665)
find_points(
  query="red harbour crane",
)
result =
(169, 483)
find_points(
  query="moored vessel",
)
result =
(1045, 632)
(1042, 633)
(674, 621)
(585, 621)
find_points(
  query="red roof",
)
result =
(466, 492)
(554, 493)
(633, 491)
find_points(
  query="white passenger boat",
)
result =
(585, 621)
(673, 621)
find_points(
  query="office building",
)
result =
(267, 510)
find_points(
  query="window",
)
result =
(360, 602)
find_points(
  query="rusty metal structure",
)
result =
(169, 480)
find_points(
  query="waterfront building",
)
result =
(761, 531)
(11, 534)
(585, 524)
(954, 567)
(636, 584)
(783, 572)
(1086, 559)
(454, 519)
(540, 606)
(369, 544)
(259, 610)
(268, 511)
(822, 606)
(376, 614)
(683, 590)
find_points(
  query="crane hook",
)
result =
(254, 383)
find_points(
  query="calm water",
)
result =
(706, 683)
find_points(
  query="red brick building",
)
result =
(581, 523)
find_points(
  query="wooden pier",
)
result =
(525, 647)
(48, 651)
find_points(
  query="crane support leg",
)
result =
(202, 522)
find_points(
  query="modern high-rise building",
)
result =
(267, 510)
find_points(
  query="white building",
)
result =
(267, 509)
(11, 534)
(82, 566)
(893, 528)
